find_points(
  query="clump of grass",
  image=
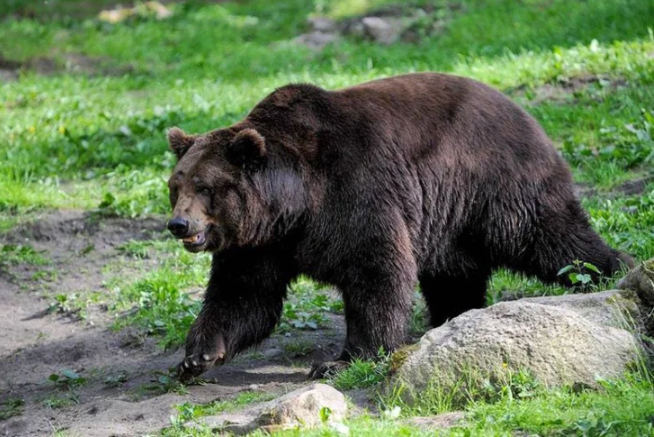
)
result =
(466, 390)
(298, 348)
(362, 373)
(10, 408)
(72, 305)
(190, 412)
(60, 401)
(13, 254)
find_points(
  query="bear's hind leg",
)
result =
(449, 296)
(377, 310)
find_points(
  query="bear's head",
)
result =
(229, 189)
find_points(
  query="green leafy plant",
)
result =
(69, 304)
(165, 382)
(578, 272)
(67, 380)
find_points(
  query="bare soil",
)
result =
(75, 63)
(35, 343)
(564, 91)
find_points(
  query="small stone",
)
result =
(273, 352)
(8, 76)
(316, 40)
(299, 408)
(382, 30)
(322, 24)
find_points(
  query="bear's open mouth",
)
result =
(196, 240)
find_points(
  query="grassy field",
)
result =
(84, 116)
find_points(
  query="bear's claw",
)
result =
(195, 365)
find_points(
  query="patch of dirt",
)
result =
(565, 90)
(628, 188)
(35, 344)
(634, 187)
(67, 63)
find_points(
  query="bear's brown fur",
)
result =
(426, 179)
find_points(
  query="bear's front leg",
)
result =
(242, 305)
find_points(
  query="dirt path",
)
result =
(118, 366)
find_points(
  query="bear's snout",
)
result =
(178, 226)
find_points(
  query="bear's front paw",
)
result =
(201, 357)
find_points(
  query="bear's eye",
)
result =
(202, 189)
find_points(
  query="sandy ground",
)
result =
(35, 344)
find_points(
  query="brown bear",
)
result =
(426, 179)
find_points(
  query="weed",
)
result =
(298, 348)
(13, 254)
(577, 273)
(67, 380)
(45, 275)
(116, 380)
(70, 305)
(61, 401)
(10, 408)
(165, 382)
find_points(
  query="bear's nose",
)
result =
(178, 226)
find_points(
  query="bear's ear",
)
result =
(179, 141)
(247, 150)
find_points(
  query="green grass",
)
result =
(158, 301)
(12, 254)
(189, 412)
(619, 409)
(362, 374)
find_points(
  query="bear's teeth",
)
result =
(192, 239)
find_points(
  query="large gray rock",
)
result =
(557, 345)
(299, 408)
(616, 308)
